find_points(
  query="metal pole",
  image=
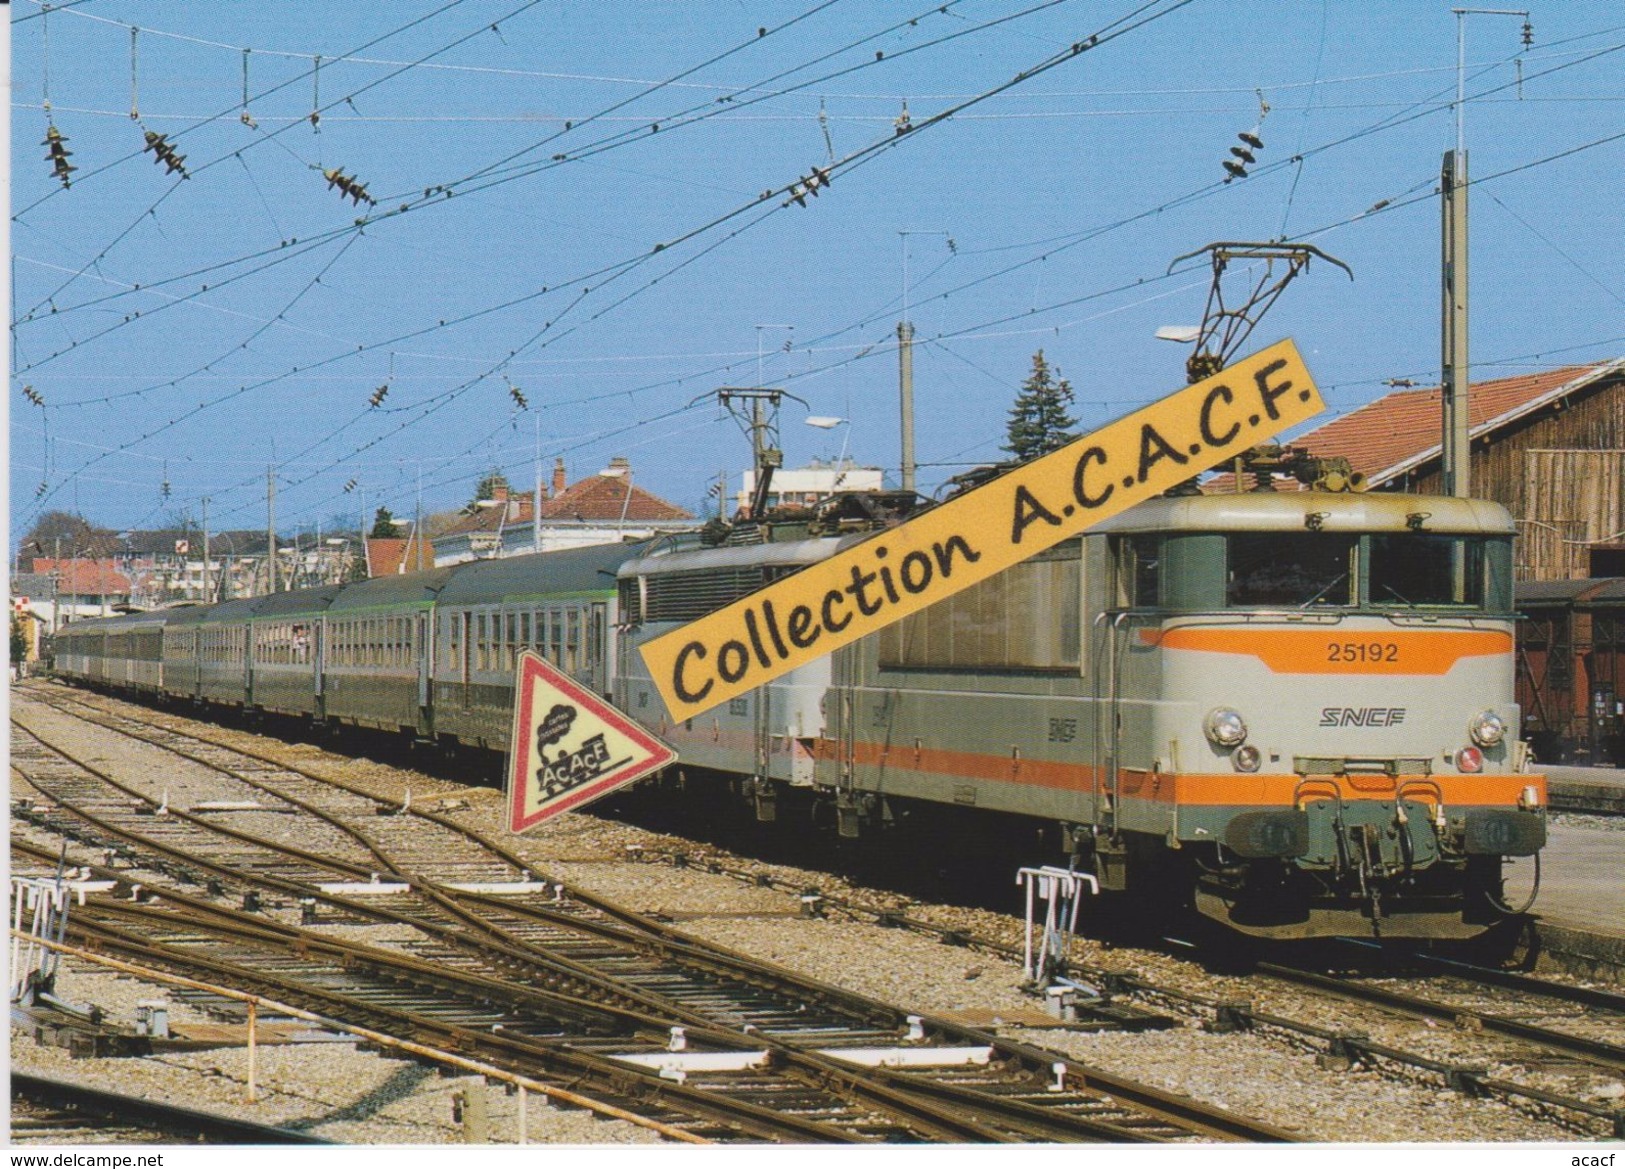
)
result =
(205, 549)
(1457, 449)
(536, 501)
(1456, 453)
(270, 525)
(905, 368)
(905, 392)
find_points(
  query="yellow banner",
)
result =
(982, 532)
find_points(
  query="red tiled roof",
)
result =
(92, 578)
(595, 499)
(1398, 432)
(387, 556)
(605, 497)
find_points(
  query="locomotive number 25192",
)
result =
(1362, 651)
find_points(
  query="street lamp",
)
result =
(625, 470)
(829, 422)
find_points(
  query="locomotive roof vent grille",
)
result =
(688, 596)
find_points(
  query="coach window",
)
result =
(524, 629)
(1290, 570)
(572, 640)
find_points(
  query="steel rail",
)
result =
(504, 1048)
(885, 1089)
(1587, 996)
(1240, 1014)
(975, 1116)
(141, 1112)
(1609, 1054)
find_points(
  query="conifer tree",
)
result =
(384, 526)
(1039, 418)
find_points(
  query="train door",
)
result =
(465, 658)
(318, 665)
(425, 654)
(594, 665)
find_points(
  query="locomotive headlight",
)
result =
(1487, 729)
(1247, 758)
(1469, 760)
(1224, 728)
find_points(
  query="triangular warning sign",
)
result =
(569, 746)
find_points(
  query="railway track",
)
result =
(54, 1112)
(1476, 1002)
(1465, 1008)
(488, 919)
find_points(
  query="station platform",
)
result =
(1581, 908)
(1585, 788)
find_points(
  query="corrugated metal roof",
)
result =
(1593, 591)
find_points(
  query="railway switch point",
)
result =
(152, 1019)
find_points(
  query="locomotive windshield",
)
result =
(1289, 570)
(1316, 571)
(1426, 570)
(1388, 570)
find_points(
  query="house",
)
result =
(805, 486)
(33, 604)
(83, 587)
(604, 508)
(391, 555)
(1549, 447)
(166, 565)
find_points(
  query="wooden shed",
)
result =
(1550, 447)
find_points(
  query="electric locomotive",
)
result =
(1294, 709)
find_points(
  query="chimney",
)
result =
(619, 463)
(559, 482)
(499, 492)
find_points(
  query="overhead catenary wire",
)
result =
(1115, 29)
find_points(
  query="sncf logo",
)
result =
(1362, 716)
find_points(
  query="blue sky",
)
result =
(528, 156)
